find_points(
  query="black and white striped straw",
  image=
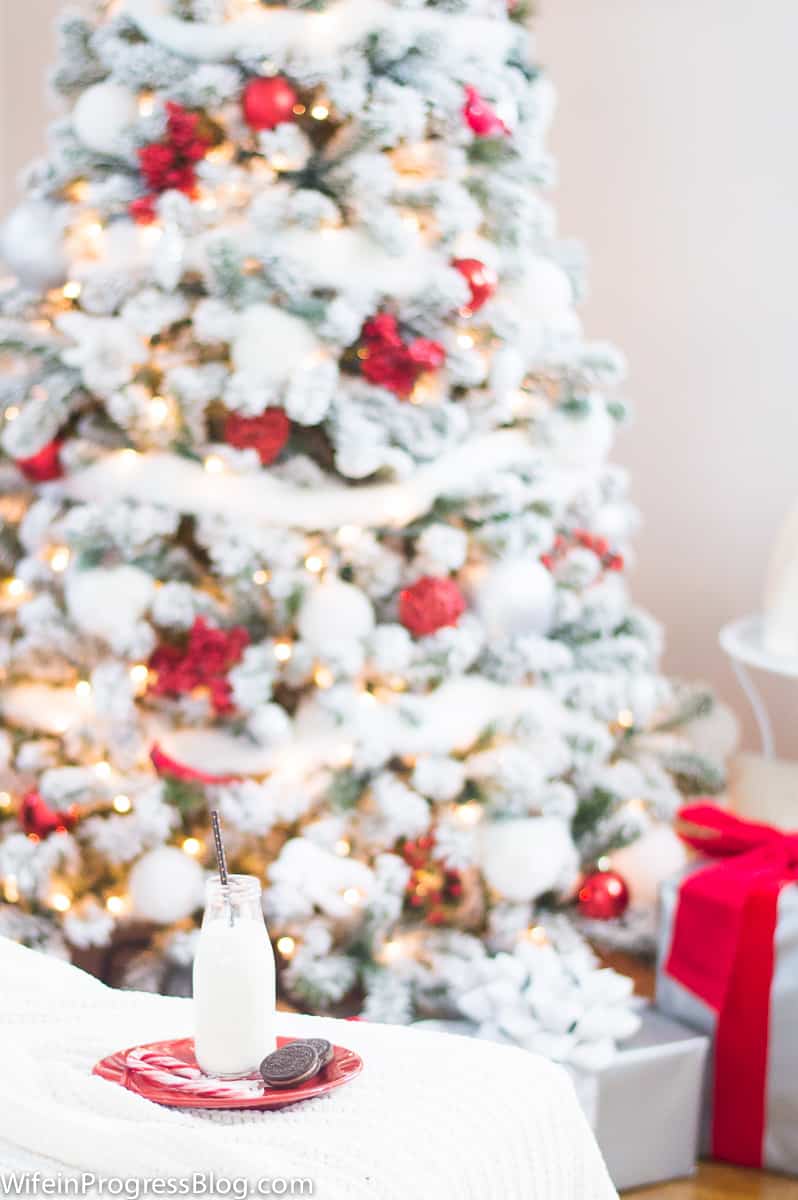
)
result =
(219, 844)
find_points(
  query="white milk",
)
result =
(234, 982)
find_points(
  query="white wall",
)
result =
(675, 137)
(676, 140)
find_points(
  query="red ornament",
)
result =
(603, 896)
(171, 163)
(269, 102)
(44, 465)
(39, 820)
(389, 362)
(170, 768)
(480, 117)
(599, 546)
(267, 433)
(203, 663)
(481, 279)
(431, 604)
(432, 888)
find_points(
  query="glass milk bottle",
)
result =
(234, 981)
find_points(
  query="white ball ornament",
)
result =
(523, 859)
(107, 602)
(545, 293)
(102, 114)
(335, 611)
(515, 596)
(32, 243)
(272, 344)
(658, 855)
(166, 885)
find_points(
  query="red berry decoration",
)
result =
(269, 102)
(389, 362)
(44, 465)
(431, 604)
(143, 210)
(202, 664)
(39, 820)
(433, 889)
(610, 561)
(480, 117)
(171, 163)
(603, 896)
(267, 433)
(481, 279)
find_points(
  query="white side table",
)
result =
(744, 643)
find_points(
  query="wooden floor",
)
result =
(715, 1182)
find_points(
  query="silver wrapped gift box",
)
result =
(645, 1106)
(778, 1107)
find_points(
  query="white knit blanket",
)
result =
(432, 1115)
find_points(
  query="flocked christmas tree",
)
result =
(318, 526)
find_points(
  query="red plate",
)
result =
(151, 1063)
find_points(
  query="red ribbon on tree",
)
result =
(722, 950)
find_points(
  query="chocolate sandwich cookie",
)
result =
(323, 1048)
(291, 1064)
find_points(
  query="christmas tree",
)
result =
(307, 517)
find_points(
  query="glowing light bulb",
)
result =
(286, 946)
(146, 104)
(115, 905)
(213, 464)
(353, 896)
(314, 564)
(128, 455)
(469, 814)
(320, 112)
(342, 847)
(158, 410)
(348, 535)
(83, 688)
(299, 110)
(465, 340)
(5, 799)
(323, 678)
(72, 290)
(537, 936)
(193, 847)
(12, 412)
(283, 651)
(10, 889)
(140, 676)
(15, 587)
(102, 770)
(626, 718)
(59, 559)
(61, 902)
(122, 804)
(261, 577)
(391, 952)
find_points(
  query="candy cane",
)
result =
(178, 1076)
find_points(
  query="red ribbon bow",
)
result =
(722, 950)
